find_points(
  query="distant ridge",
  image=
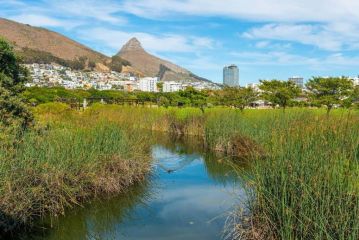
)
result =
(151, 65)
(41, 39)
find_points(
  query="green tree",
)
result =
(160, 86)
(163, 101)
(356, 97)
(329, 91)
(240, 97)
(279, 92)
(92, 65)
(117, 63)
(14, 113)
(195, 97)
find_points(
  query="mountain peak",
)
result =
(132, 45)
(151, 65)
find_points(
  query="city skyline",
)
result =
(205, 36)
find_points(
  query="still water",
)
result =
(188, 196)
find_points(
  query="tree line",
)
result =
(320, 92)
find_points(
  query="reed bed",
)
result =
(304, 177)
(64, 161)
(307, 187)
(302, 184)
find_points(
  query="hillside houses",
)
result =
(51, 75)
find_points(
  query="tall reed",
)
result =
(63, 162)
(303, 182)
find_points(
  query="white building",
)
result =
(355, 80)
(254, 86)
(148, 84)
(172, 86)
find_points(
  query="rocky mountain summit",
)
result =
(151, 65)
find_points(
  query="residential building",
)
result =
(231, 76)
(172, 86)
(254, 86)
(299, 81)
(355, 80)
(148, 84)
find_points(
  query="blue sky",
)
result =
(267, 39)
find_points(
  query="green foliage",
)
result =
(196, 98)
(307, 185)
(79, 63)
(92, 65)
(329, 91)
(355, 97)
(117, 62)
(238, 97)
(39, 95)
(279, 92)
(13, 111)
(30, 56)
(160, 86)
(51, 108)
(59, 166)
(163, 101)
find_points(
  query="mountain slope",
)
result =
(39, 45)
(151, 65)
(40, 39)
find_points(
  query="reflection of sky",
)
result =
(188, 204)
(168, 160)
(185, 204)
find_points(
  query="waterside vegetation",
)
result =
(303, 182)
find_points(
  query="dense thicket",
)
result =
(14, 113)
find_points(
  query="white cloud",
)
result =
(115, 39)
(281, 59)
(331, 37)
(257, 10)
(103, 11)
(62, 13)
(272, 58)
(271, 45)
(44, 21)
(327, 24)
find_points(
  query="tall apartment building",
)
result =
(148, 84)
(231, 76)
(299, 81)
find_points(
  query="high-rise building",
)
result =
(299, 81)
(231, 76)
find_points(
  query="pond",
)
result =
(188, 196)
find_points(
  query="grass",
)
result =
(305, 171)
(303, 182)
(66, 160)
(307, 187)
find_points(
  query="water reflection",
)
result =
(188, 198)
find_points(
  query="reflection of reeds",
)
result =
(100, 219)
